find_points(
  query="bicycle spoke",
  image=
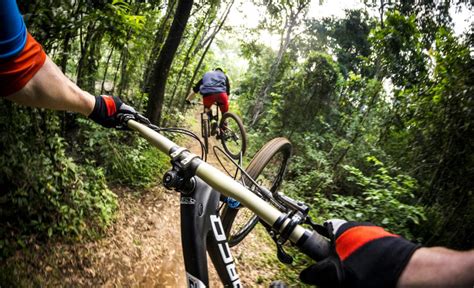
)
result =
(233, 135)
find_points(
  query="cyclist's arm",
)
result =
(366, 255)
(197, 86)
(441, 267)
(27, 75)
(50, 88)
(194, 91)
(190, 96)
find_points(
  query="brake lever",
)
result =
(125, 117)
(317, 227)
(291, 203)
(142, 119)
(283, 257)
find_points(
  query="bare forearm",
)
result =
(191, 96)
(51, 89)
(439, 267)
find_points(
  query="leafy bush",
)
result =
(126, 158)
(44, 192)
(383, 199)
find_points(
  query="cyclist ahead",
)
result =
(29, 77)
(214, 87)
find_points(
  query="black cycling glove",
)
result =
(106, 110)
(362, 255)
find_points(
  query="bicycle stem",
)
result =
(309, 242)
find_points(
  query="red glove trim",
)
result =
(356, 237)
(17, 71)
(110, 104)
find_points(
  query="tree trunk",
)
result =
(123, 83)
(102, 88)
(159, 38)
(187, 59)
(165, 59)
(290, 22)
(87, 66)
(65, 52)
(117, 70)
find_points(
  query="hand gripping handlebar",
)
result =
(309, 242)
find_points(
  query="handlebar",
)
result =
(309, 242)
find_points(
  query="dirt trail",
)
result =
(141, 249)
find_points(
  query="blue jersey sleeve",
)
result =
(12, 29)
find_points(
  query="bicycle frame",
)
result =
(201, 231)
(211, 110)
(206, 120)
(201, 227)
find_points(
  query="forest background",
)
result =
(378, 104)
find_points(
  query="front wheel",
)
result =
(267, 168)
(233, 137)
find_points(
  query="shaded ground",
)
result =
(141, 249)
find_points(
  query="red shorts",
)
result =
(221, 99)
(15, 72)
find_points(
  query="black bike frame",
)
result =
(201, 227)
(206, 118)
(201, 231)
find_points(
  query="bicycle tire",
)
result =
(262, 159)
(205, 131)
(233, 141)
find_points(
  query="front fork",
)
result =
(201, 231)
(201, 227)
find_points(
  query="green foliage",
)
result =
(310, 168)
(347, 37)
(431, 124)
(405, 99)
(380, 196)
(45, 192)
(399, 51)
(122, 12)
(387, 200)
(126, 158)
(260, 59)
(309, 93)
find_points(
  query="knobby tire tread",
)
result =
(242, 134)
(254, 169)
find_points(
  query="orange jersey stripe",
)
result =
(356, 237)
(15, 72)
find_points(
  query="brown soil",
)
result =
(141, 249)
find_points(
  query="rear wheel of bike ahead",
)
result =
(233, 137)
(267, 168)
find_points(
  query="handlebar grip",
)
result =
(314, 245)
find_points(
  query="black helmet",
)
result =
(218, 69)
